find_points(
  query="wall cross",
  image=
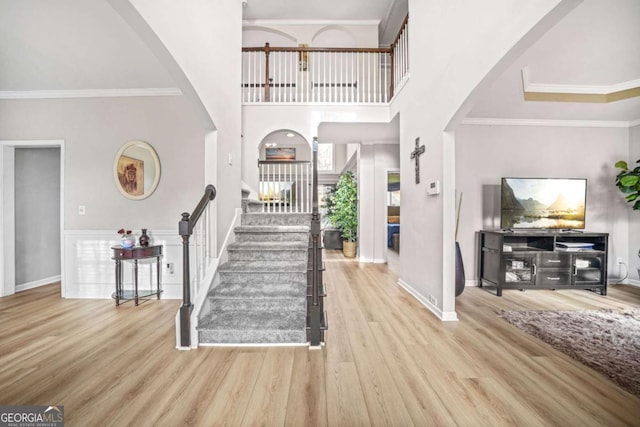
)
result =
(415, 154)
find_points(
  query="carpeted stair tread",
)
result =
(271, 229)
(263, 266)
(260, 218)
(254, 320)
(260, 290)
(273, 304)
(268, 246)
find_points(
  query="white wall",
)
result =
(455, 47)
(94, 130)
(313, 33)
(375, 160)
(260, 120)
(485, 154)
(634, 216)
(199, 35)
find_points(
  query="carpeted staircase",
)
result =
(261, 295)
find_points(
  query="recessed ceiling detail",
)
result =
(578, 93)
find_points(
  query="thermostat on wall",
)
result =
(433, 188)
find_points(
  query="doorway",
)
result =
(32, 214)
(393, 218)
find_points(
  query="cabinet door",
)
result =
(519, 269)
(588, 269)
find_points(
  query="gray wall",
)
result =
(93, 130)
(484, 154)
(37, 214)
(634, 216)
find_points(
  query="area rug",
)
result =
(605, 340)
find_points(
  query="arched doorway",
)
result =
(284, 161)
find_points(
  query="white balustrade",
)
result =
(285, 186)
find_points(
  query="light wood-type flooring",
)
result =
(387, 361)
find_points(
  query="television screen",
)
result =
(543, 203)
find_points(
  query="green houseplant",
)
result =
(628, 181)
(345, 212)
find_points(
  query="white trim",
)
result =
(635, 122)
(318, 104)
(371, 260)
(270, 22)
(37, 283)
(633, 282)
(446, 316)
(577, 89)
(89, 93)
(292, 344)
(7, 266)
(471, 283)
(488, 121)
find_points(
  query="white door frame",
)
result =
(7, 213)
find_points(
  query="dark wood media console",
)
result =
(532, 260)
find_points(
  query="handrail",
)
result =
(402, 28)
(282, 73)
(185, 229)
(268, 48)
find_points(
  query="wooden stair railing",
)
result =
(185, 229)
(316, 316)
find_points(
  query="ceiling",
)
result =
(85, 44)
(596, 44)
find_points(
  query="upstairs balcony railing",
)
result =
(324, 75)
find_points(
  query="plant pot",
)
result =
(349, 249)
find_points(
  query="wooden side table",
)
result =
(135, 255)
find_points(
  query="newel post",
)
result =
(267, 89)
(187, 306)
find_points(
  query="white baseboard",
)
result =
(445, 316)
(471, 283)
(37, 283)
(371, 260)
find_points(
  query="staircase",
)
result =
(261, 297)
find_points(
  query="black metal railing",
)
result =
(185, 229)
(316, 317)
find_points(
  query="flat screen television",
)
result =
(543, 203)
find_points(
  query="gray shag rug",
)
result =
(605, 340)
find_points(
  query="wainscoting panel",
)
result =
(90, 271)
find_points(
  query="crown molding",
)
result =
(578, 93)
(89, 93)
(575, 89)
(482, 121)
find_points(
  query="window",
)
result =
(325, 157)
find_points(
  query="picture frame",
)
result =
(131, 175)
(280, 154)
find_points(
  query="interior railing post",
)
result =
(187, 306)
(185, 229)
(267, 88)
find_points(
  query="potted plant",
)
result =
(331, 236)
(345, 212)
(628, 182)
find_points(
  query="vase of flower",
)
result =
(143, 240)
(127, 238)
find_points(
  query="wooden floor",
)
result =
(387, 361)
